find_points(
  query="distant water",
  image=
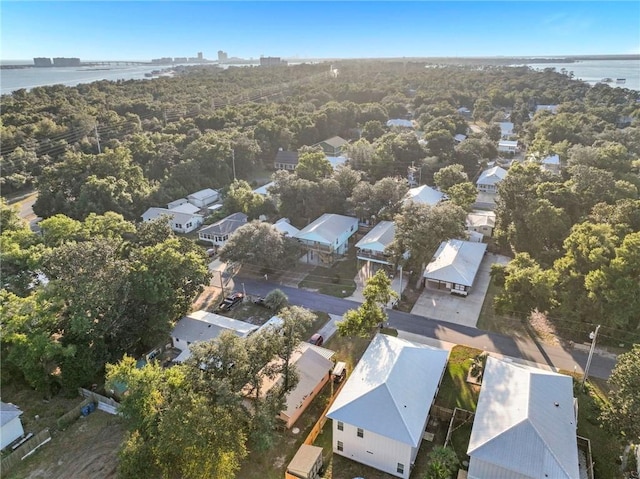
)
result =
(594, 71)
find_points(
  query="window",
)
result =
(178, 225)
(340, 446)
(400, 468)
(360, 432)
(340, 426)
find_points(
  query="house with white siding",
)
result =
(525, 424)
(327, 237)
(218, 233)
(380, 415)
(179, 221)
(481, 222)
(424, 194)
(489, 179)
(10, 424)
(286, 160)
(508, 146)
(455, 265)
(372, 247)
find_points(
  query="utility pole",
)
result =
(222, 285)
(97, 137)
(233, 161)
(593, 336)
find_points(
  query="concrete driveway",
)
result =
(364, 273)
(444, 306)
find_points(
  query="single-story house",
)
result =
(508, 146)
(203, 198)
(185, 208)
(481, 222)
(328, 236)
(10, 424)
(506, 129)
(204, 326)
(313, 366)
(286, 160)
(459, 138)
(550, 108)
(218, 233)
(175, 203)
(399, 123)
(285, 227)
(337, 161)
(264, 189)
(424, 194)
(551, 164)
(525, 424)
(333, 146)
(454, 266)
(179, 222)
(489, 179)
(381, 414)
(306, 464)
(464, 111)
(372, 247)
(475, 237)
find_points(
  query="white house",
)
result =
(218, 233)
(185, 208)
(551, 164)
(459, 138)
(285, 227)
(508, 146)
(328, 236)
(372, 246)
(489, 179)
(264, 189)
(203, 198)
(204, 326)
(525, 424)
(10, 424)
(179, 222)
(481, 222)
(550, 108)
(400, 123)
(454, 266)
(175, 203)
(424, 194)
(506, 129)
(381, 414)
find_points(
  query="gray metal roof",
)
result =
(203, 194)
(8, 412)
(328, 228)
(424, 194)
(379, 237)
(204, 326)
(456, 261)
(391, 389)
(288, 157)
(481, 218)
(304, 460)
(176, 216)
(225, 226)
(493, 175)
(525, 424)
(335, 141)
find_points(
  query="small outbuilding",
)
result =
(203, 198)
(11, 425)
(306, 464)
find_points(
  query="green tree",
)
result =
(9, 218)
(240, 197)
(463, 194)
(449, 176)
(313, 166)
(443, 463)
(276, 300)
(622, 412)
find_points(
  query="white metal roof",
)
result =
(328, 228)
(187, 208)
(460, 137)
(286, 228)
(551, 160)
(203, 326)
(203, 194)
(263, 189)
(525, 424)
(506, 128)
(337, 161)
(8, 412)
(400, 122)
(335, 141)
(391, 389)
(177, 216)
(379, 237)
(424, 194)
(456, 261)
(493, 175)
(481, 218)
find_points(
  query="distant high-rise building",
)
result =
(272, 62)
(66, 62)
(200, 57)
(180, 60)
(222, 56)
(42, 62)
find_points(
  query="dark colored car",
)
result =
(231, 301)
(316, 339)
(259, 301)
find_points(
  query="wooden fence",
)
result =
(440, 413)
(105, 404)
(323, 418)
(24, 450)
(69, 417)
(458, 418)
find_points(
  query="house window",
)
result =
(178, 225)
(360, 432)
(188, 225)
(340, 426)
(340, 446)
(400, 468)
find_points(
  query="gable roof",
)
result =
(395, 376)
(456, 261)
(335, 142)
(175, 216)
(286, 228)
(379, 237)
(551, 160)
(327, 228)
(400, 122)
(525, 423)
(424, 194)
(264, 189)
(492, 175)
(203, 194)
(225, 226)
(288, 157)
(506, 127)
(203, 326)
(481, 218)
(8, 412)
(187, 208)
(304, 460)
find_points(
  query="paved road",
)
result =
(527, 349)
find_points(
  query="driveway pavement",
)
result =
(444, 306)
(364, 273)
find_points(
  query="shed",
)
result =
(203, 198)
(307, 462)
(11, 425)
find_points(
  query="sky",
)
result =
(127, 30)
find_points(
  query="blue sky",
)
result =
(149, 29)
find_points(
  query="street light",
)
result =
(593, 336)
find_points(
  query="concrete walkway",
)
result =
(368, 270)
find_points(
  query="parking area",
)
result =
(444, 306)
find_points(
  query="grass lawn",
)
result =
(455, 391)
(337, 280)
(459, 441)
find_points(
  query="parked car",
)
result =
(316, 339)
(259, 301)
(231, 301)
(211, 252)
(339, 372)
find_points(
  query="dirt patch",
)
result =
(86, 449)
(543, 328)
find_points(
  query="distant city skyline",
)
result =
(124, 30)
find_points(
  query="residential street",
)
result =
(556, 357)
